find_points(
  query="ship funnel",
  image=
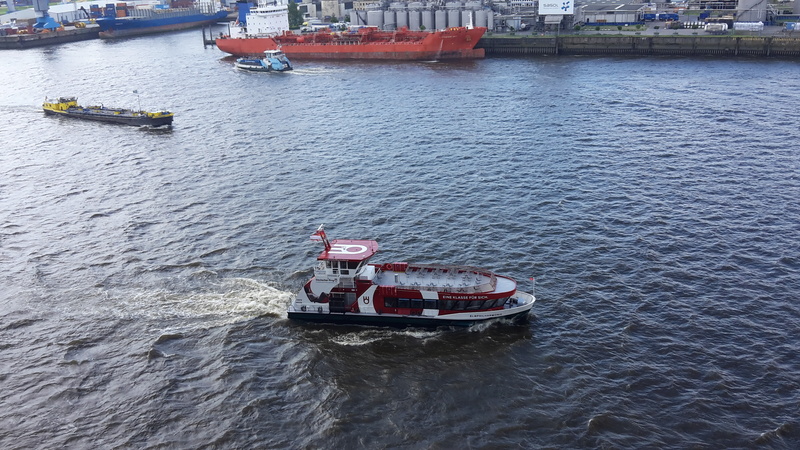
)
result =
(244, 10)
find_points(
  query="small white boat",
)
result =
(347, 289)
(273, 60)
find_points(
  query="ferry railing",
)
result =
(438, 271)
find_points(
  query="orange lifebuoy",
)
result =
(388, 267)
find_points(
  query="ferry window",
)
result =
(473, 305)
(448, 305)
(403, 303)
(430, 304)
(487, 304)
(416, 303)
(390, 302)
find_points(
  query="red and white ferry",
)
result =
(346, 288)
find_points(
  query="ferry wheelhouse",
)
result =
(347, 288)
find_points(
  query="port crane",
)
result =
(43, 19)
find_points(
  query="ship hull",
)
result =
(18, 41)
(518, 313)
(440, 45)
(121, 27)
(399, 321)
(115, 118)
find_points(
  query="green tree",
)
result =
(295, 16)
(334, 19)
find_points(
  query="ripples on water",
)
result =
(146, 273)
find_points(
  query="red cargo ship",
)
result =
(267, 28)
(366, 43)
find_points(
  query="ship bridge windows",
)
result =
(343, 267)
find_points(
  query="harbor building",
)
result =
(521, 15)
(610, 13)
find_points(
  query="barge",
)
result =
(68, 107)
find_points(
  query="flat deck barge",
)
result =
(30, 40)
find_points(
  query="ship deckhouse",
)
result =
(346, 260)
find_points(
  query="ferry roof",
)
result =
(349, 250)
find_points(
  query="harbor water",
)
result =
(146, 272)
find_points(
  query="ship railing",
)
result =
(475, 289)
(455, 279)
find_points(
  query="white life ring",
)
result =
(366, 301)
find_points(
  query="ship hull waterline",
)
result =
(397, 321)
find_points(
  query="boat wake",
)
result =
(227, 301)
(369, 336)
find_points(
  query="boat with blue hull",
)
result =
(273, 61)
(127, 20)
(347, 289)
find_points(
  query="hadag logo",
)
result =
(342, 249)
(565, 6)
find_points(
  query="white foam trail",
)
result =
(233, 300)
(358, 338)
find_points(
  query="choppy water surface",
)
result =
(146, 273)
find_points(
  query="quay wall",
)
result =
(642, 45)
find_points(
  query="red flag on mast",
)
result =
(320, 235)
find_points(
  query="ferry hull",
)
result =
(398, 321)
